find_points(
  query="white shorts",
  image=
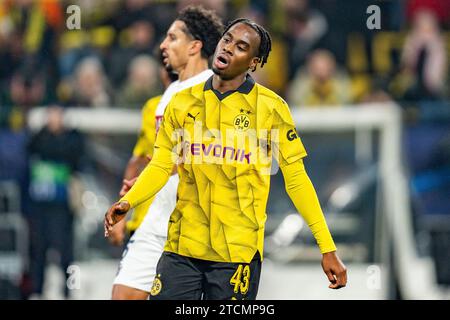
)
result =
(139, 259)
(137, 267)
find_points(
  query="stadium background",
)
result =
(325, 62)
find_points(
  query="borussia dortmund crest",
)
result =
(156, 287)
(242, 120)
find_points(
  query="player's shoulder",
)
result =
(151, 104)
(270, 98)
(188, 96)
(194, 90)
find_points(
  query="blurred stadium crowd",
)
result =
(323, 55)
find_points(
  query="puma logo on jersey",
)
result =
(191, 116)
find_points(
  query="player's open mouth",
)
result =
(165, 58)
(221, 61)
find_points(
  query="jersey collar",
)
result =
(244, 88)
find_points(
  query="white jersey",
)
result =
(158, 220)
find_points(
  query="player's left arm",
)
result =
(289, 152)
(302, 193)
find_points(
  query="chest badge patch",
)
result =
(242, 120)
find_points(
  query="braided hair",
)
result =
(265, 45)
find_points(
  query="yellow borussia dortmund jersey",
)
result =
(226, 142)
(143, 147)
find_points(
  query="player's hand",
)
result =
(126, 186)
(335, 270)
(115, 214)
(117, 234)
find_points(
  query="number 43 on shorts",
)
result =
(241, 279)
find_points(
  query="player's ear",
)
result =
(254, 64)
(195, 47)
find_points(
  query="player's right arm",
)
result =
(153, 177)
(134, 167)
(143, 148)
(139, 159)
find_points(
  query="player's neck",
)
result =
(192, 68)
(223, 85)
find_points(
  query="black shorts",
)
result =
(184, 278)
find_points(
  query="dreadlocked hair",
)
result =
(204, 25)
(265, 45)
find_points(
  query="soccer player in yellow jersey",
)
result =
(223, 134)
